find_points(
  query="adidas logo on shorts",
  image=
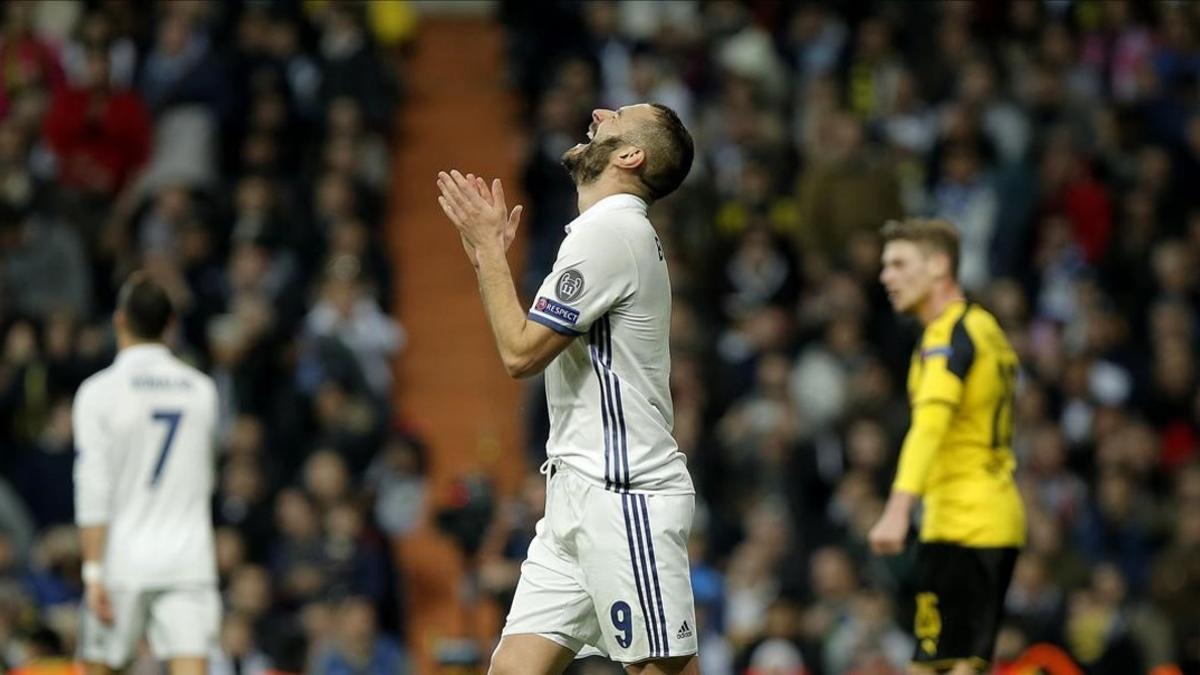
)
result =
(685, 631)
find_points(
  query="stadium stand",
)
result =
(241, 152)
(1062, 139)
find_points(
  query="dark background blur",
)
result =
(242, 153)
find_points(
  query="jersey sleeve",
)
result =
(92, 448)
(945, 365)
(594, 271)
(213, 405)
(938, 393)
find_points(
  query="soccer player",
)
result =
(608, 567)
(144, 431)
(957, 456)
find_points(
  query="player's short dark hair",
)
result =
(146, 306)
(930, 233)
(669, 153)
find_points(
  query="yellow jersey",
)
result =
(958, 451)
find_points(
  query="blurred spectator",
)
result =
(346, 314)
(16, 531)
(34, 73)
(43, 268)
(99, 134)
(397, 478)
(237, 653)
(181, 70)
(1059, 492)
(778, 652)
(846, 190)
(348, 67)
(358, 646)
(242, 502)
(49, 461)
(868, 634)
(298, 559)
(964, 197)
(97, 30)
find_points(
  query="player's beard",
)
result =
(585, 164)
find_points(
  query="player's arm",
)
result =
(930, 421)
(526, 347)
(937, 399)
(93, 496)
(486, 227)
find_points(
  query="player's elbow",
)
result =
(520, 367)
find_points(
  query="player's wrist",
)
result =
(92, 572)
(489, 249)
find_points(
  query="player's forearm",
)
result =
(91, 539)
(929, 426)
(504, 312)
(900, 504)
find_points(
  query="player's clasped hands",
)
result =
(478, 212)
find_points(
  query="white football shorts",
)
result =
(607, 573)
(177, 622)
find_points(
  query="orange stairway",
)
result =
(451, 386)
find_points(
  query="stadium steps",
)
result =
(452, 389)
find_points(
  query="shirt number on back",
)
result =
(171, 418)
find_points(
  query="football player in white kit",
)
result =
(607, 571)
(144, 432)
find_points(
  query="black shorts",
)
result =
(959, 602)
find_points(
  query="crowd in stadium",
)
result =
(239, 155)
(241, 159)
(1063, 139)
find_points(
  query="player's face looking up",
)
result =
(646, 147)
(910, 272)
(587, 161)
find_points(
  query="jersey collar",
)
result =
(621, 200)
(950, 310)
(141, 351)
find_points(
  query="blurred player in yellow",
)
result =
(957, 456)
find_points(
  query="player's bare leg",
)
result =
(188, 665)
(92, 668)
(529, 655)
(677, 665)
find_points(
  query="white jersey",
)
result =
(144, 438)
(608, 392)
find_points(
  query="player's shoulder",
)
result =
(194, 375)
(98, 384)
(624, 236)
(985, 330)
(977, 318)
(604, 241)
